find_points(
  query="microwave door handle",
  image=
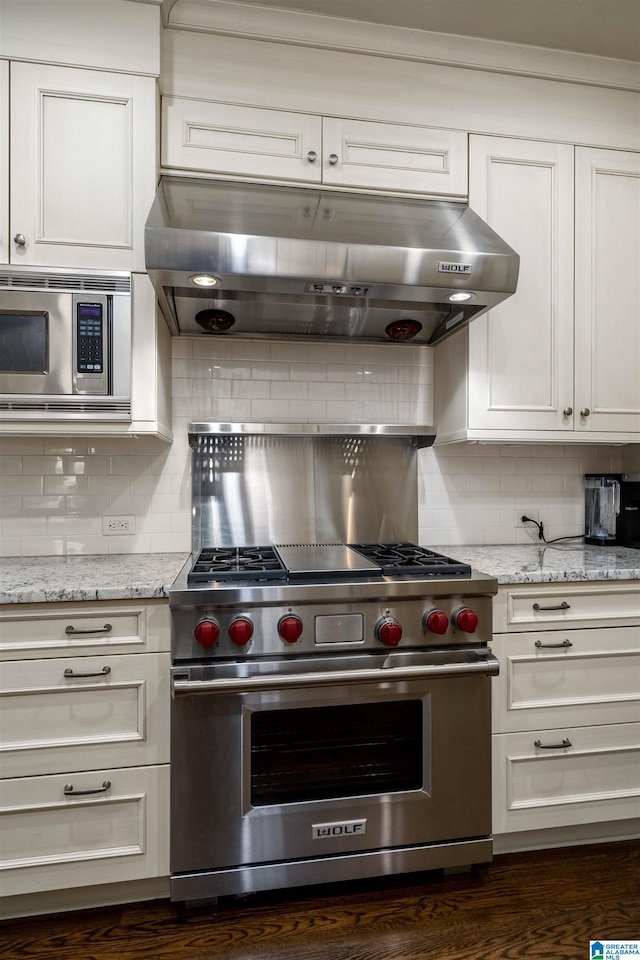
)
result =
(486, 667)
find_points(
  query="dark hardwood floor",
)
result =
(545, 904)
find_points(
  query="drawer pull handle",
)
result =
(551, 646)
(69, 790)
(106, 629)
(70, 672)
(561, 606)
(553, 746)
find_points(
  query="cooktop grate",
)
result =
(409, 560)
(237, 563)
(322, 562)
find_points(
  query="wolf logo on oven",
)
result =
(346, 828)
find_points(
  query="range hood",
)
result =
(285, 261)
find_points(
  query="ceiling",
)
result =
(606, 28)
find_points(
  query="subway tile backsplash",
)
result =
(55, 492)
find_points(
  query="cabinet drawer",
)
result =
(53, 629)
(51, 840)
(566, 677)
(557, 606)
(596, 777)
(107, 711)
(241, 141)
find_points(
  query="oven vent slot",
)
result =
(65, 282)
(111, 409)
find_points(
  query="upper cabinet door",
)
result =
(390, 156)
(607, 290)
(4, 161)
(521, 352)
(242, 141)
(233, 139)
(83, 166)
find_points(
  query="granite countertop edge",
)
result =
(149, 576)
(135, 576)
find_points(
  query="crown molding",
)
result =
(253, 22)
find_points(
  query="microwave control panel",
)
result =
(90, 338)
(91, 346)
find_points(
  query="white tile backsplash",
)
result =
(55, 491)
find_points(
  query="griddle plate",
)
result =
(321, 561)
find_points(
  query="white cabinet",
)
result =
(83, 166)
(544, 365)
(4, 162)
(607, 325)
(566, 710)
(82, 829)
(209, 137)
(84, 788)
(222, 138)
(151, 365)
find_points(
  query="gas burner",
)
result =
(237, 563)
(407, 559)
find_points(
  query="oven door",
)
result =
(318, 760)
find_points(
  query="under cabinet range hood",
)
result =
(248, 259)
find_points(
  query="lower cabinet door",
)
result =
(556, 778)
(80, 829)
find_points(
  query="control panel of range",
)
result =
(298, 629)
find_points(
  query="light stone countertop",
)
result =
(549, 563)
(122, 576)
(150, 575)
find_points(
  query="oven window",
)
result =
(319, 753)
(23, 342)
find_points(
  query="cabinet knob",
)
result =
(585, 412)
(20, 239)
(567, 411)
(311, 156)
(333, 159)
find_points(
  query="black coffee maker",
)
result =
(612, 509)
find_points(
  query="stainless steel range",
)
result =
(331, 695)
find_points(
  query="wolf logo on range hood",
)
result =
(247, 259)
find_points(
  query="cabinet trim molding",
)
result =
(313, 30)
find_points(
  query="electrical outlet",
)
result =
(525, 512)
(117, 526)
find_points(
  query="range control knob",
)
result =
(290, 629)
(388, 631)
(466, 620)
(207, 633)
(240, 631)
(436, 621)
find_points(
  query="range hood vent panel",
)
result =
(293, 261)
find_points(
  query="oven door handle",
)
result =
(486, 667)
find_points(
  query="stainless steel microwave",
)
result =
(65, 344)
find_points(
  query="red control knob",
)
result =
(290, 628)
(241, 631)
(437, 622)
(389, 632)
(467, 620)
(207, 633)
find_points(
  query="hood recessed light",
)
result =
(460, 297)
(204, 280)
